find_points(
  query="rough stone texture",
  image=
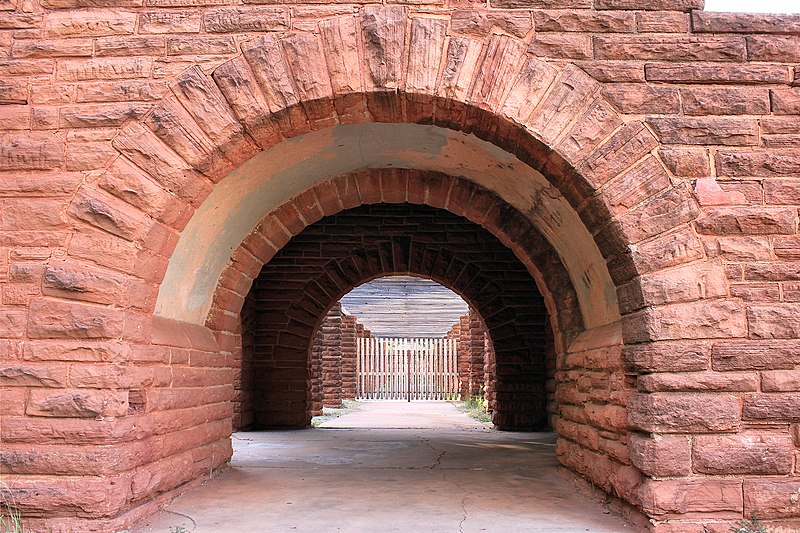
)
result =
(671, 132)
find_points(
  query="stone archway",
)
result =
(140, 316)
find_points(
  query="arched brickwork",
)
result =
(669, 131)
(293, 293)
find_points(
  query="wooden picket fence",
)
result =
(407, 369)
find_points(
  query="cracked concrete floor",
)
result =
(436, 471)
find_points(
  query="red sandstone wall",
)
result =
(709, 180)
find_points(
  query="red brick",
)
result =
(57, 319)
(672, 48)
(33, 375)
(775, 48)
(686, 498)
(780, 381)
(661, 456)
(748, 453)
(76, 403)
(755, 355)
(699, 381)
(778, 407)
(662, 22)
(774, 321)
(771, 498)
(637, 98)
(666, 412)
(716, 73)
(667, 357)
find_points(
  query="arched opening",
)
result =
(314, 269)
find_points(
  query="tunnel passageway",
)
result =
(391, 466)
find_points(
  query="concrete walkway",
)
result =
(442, 472)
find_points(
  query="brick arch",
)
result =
(375, 69)
(394, 186)
(370, 241)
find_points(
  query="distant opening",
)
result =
(748, 6)
(400, 339)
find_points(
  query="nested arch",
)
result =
(557, 151)
(295, 289)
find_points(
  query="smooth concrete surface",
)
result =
(439, 471)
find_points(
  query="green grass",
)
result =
(475, 407)
(10, 515)
(753, 525)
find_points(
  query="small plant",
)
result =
(178, 529)
(753, 525)
(10, 515)
(475, 407)
(749, 526)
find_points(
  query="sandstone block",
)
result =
(630, 144)
(740, 248)
(778, 407)
(24, 48)
(57, 319)
(638, 98)
(656, 5)
(774, 321)
(777, 48)
(94, 23)
(383, 33)
(667, 357)
(706, 130)
(710, 22)
(662, 22)
(31, 151)
(725, 101)
(672, 48)
(699, 381)
(681, 284)
(252, 19)
(661, 456)
(780, 381)
(748, 221)
(715, 73)
(771, 498)
(76, 403)
(674, 248)
(561, 45)
(170, 22)
(474, 23)
(531, 83)
(755, 355)
(785, 101)
(665, 412)
(561, 20)
(684, 498)
(571, 94)
(748, 453)
(107, 68)
(33, 375)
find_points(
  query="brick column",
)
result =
(348, 347)
(332, 357)
(315, 383)
(476, 348)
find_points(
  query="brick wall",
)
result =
(671, 132)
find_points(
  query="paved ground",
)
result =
(441, 472)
